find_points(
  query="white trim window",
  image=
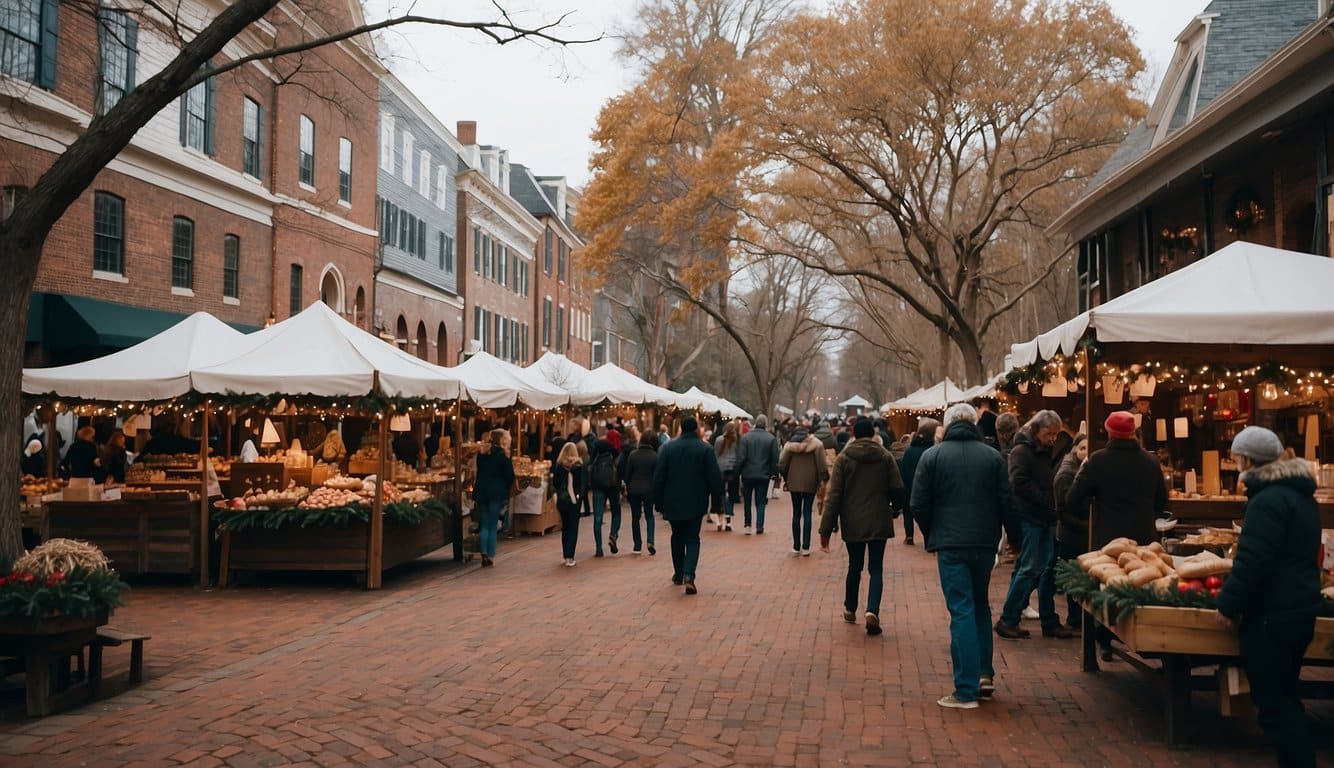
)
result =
(424, 175)
(306, 156)
(387, 142)
(408, 158)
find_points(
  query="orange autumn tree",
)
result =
(913, 135)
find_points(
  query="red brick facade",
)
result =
(440, 321)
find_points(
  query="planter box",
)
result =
(327, 548)
(1164, 629)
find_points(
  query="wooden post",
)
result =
(1089, 375)
(517, 443)
(204, 579)
(52, 450)
(458, 479)
(375, 547)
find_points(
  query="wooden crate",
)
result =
(137, 536)
(329, 548)
(1164, 629)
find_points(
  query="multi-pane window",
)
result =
(503, 265)
(546, 321)
(231, 267)
(523, 343)
(182, 253)
(108, 233)
(488, 258)
(306, 156)
(408, 158)
(546, 253)
(560, 328)
(117, 40)
(441, 186)
(563, 257)
(251, 143)
(477, 323)
(445, 251)
(294, 289)
(28, 31)
(345, 170)
(424, 175)
(198, 117)
(477, 251)
(387, 141)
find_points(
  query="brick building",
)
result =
(1236, 146)
(249, 197)
(417, 303)
(561, 309)
(499, 239)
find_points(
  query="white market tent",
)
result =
(934, 398)
(560, 371)
(856, 401)
(495, 383)
(154, 369)
(987, 388)
(620, 386)
(318, 353)
(709, 403)
(1242, 294)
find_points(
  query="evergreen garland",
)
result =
(81, 592)
(273, 519)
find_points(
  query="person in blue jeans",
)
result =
(802, 465)
(639, 465)
(960, 496)
(605, 486)
(864, 488)
(1033, 460)
(757, 462)
(491, 491)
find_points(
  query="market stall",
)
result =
(1244, 336)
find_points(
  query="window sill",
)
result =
(111, 277)
(342, 202)
(305, 186)
(178, 291)
(231, 301)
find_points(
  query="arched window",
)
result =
(422, 351)
(331, 288)
(359, 308)
(401, 333)
(441, 345)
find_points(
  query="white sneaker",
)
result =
(796, 553)
(805, 553)
(949, 702)
(1029, 613)
(748, 530)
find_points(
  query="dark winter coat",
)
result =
(961, 492)
(1032, 473)
(1126, 483)
(559, 475)
(802, 464)
(639, 466)
(686, 480)
(1072, 523)
(757, 455)
(908, 464)
(863, 489)
(81, 460)
(495, 476)
(1276, 571)
(826, 436)
(603, 446)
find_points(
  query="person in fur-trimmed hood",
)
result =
(1273, 592)
(804, 469)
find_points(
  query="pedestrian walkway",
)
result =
(607, 664)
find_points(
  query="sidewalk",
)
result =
(533, 664)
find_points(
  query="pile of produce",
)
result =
(62, 577)
(289, 497)
(327, 498)
(1123, 575)
(37, 486)
(341, 483)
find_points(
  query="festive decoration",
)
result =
(62, 577)
(403, 512)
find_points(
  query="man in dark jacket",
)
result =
(757, 462)
(636, 470)
(961, 494)
(922, 439)
(1032, 469)
(1125, 480)
(1274, 588)
(605, 486)
(820, 428)
(864, 488)
(686, 485)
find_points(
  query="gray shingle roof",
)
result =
(525, 189)
(1242, 35)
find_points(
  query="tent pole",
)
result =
(52, 450)
(204, 579)
(458, 479)
(375, 547)
(1089, 375)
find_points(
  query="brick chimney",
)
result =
(467, 132)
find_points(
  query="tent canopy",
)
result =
(495, 383)
(934, 398)
(318, 353)
(1242, 294)
(559, 370)
(856, 401)
(985, 389)
(157, 368)
(709, 403)
(620, 386)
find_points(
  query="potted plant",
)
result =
(60, 586)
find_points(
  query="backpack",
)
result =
(602, 473)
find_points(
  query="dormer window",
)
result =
(1185, 105)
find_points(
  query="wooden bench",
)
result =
(110, 636)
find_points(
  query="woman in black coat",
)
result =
(81, 460)
(491, 491)
(567, 484)
(638, 477)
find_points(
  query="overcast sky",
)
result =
(541, 103)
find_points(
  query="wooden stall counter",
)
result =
(137, 536)
(1219, 512)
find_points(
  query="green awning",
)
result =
(65, 321)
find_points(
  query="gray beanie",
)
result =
(1257, 444)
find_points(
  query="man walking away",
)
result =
(960, 497)
(863, 490)
(1032, 474)
(758, 464)
(802, 465)
(1274, 589)
(606, 489)
(922, 439)
(686, 486)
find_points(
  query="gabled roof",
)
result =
(1239, 35)
(525, 189)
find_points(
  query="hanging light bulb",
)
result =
(1269, 391)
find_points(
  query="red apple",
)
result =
(1213, 591)
(1183, 586)
(1213, 582)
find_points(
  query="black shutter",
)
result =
(131, 51)
(210, 116)
(46, 74)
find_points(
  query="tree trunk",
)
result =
(15, 293)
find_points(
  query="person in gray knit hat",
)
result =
(1272, 596)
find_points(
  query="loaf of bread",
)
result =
(1117, 547)
(1106, 571)
(1201, 569)
(1142, 576)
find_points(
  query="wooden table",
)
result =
(45, 647)
(1183, 640)
(137, 536)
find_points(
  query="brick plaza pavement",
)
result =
(605, 664)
